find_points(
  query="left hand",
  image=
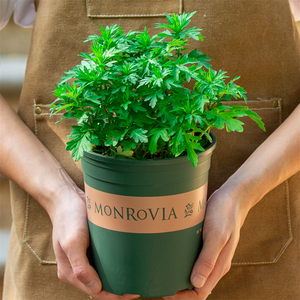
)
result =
(221, 232)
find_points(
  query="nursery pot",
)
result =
(145, 219)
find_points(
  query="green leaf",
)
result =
(121, 152)
(256, 118)
(139, 135)
(177, 142)
(153, 97)
(80, 143)
(136, 107)
(155, 134)
(192, 156)
(70, 115)
(128, 145)
(199, 58)
(231, 123)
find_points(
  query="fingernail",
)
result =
(198, 280)
(94, 286)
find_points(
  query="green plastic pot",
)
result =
(145, 221)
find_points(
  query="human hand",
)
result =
(70, 242)
(223, 220)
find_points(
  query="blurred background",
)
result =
(14, 47)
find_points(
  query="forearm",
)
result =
(26, 161)
(277, 159)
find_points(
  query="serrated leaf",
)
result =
(155, 134)
(139, 135)
(121, 152)
(192, 156)
(177, 142)
(128, 145)
(136, 107)
(256, 118)
(153, 98)
(231, 123)
(78, 145)
(113, 137)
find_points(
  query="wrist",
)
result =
(242, 191)
(57, 191)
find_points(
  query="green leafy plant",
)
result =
(131, 98)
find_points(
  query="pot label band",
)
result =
(146, 214)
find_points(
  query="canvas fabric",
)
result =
(256, 40)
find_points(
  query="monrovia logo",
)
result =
(136, 214)
(130, 213)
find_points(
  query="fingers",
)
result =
(76, 270)
(70, 243)
(222, 266)
(82, 269)
(211, 270)
(208, 257)
(220, 238)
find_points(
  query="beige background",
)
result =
(14, 46)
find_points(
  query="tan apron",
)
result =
(256, 39)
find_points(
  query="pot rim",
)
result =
(144, 162)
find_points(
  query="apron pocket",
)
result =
(266, 232)
(38, 232)
(132, 8)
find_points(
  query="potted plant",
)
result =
(145, 107)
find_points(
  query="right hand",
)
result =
(70, 243)
(225, 214)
